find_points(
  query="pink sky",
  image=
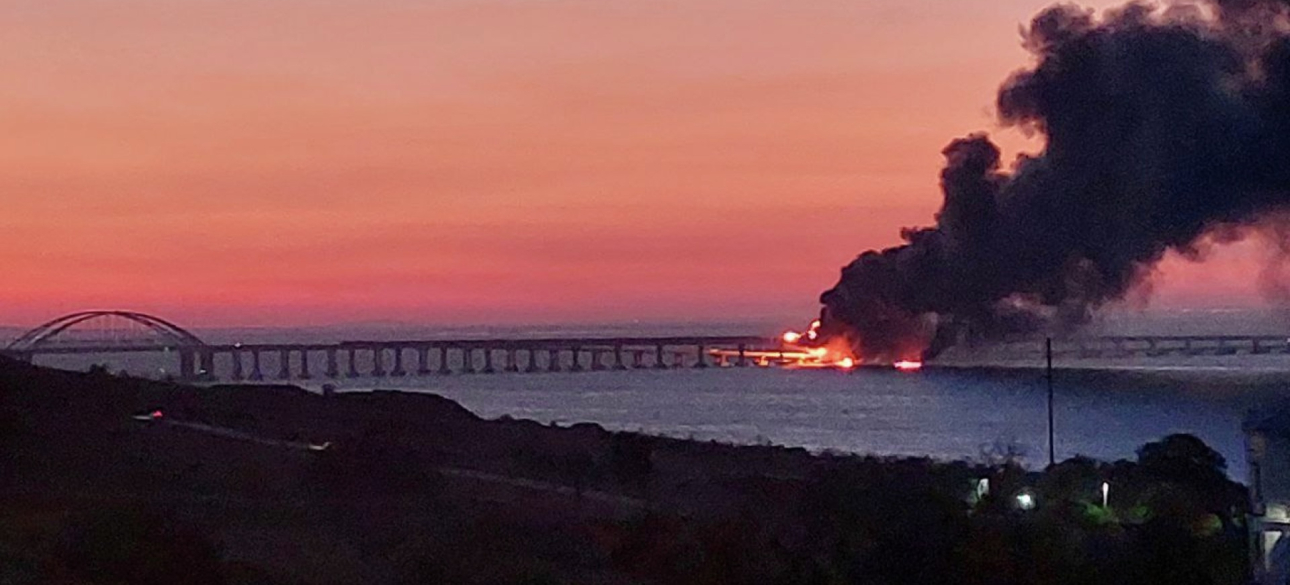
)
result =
(484, 161)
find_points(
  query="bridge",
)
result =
(111, 332)
(1149, 346)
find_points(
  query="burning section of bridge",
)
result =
(809, 349)
(837, 351)
(818, 352)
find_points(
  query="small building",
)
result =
(1267, 452)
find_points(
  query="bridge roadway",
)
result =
(354, 359)
(387, 358)
(1150, 346)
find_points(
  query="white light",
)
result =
(1025, 501)
(1106, 491)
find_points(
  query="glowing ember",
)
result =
(792, 337)
(846, 363)
(156, 414)
(813, 333)
(908, 365)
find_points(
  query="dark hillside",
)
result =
(272, 484)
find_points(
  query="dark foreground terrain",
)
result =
(234, 485)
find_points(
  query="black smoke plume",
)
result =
(1166, 129)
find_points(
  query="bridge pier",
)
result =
(619, 364)
(701, 361)
(597, 359)
(256, 373)
(187, 365)
(333, 368)
(378, 362)
(638, 359)
(467, 360)
(238, 374)
(398, 362)
(552, 360)
(488, 361)
(512, 364)
(658, 358)
(353, 364)
(206, 359)
(743, 358)
(577, 360)
(284, 364)
(443, 360)
(304, 365)
(423, 361)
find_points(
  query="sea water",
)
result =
(1103, 408)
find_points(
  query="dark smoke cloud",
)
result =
(1166, 129)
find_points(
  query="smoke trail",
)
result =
(1164, 128)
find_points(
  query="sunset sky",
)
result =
(278, 162)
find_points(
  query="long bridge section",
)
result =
(114, 332)
(1149, 346)
(354, 359)
(397, 358)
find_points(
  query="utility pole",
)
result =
(1052, 445)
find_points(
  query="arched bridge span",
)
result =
(167, 334)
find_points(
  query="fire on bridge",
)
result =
(200, 361)
(104, 332)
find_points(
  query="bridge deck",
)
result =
(587, 343)
(379, 358)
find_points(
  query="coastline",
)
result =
(412, 487)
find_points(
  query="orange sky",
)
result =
(481, 161)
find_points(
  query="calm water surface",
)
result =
(1105, 410)
(941, 413)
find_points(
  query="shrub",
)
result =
(127, 545)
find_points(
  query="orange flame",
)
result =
(834, 354)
